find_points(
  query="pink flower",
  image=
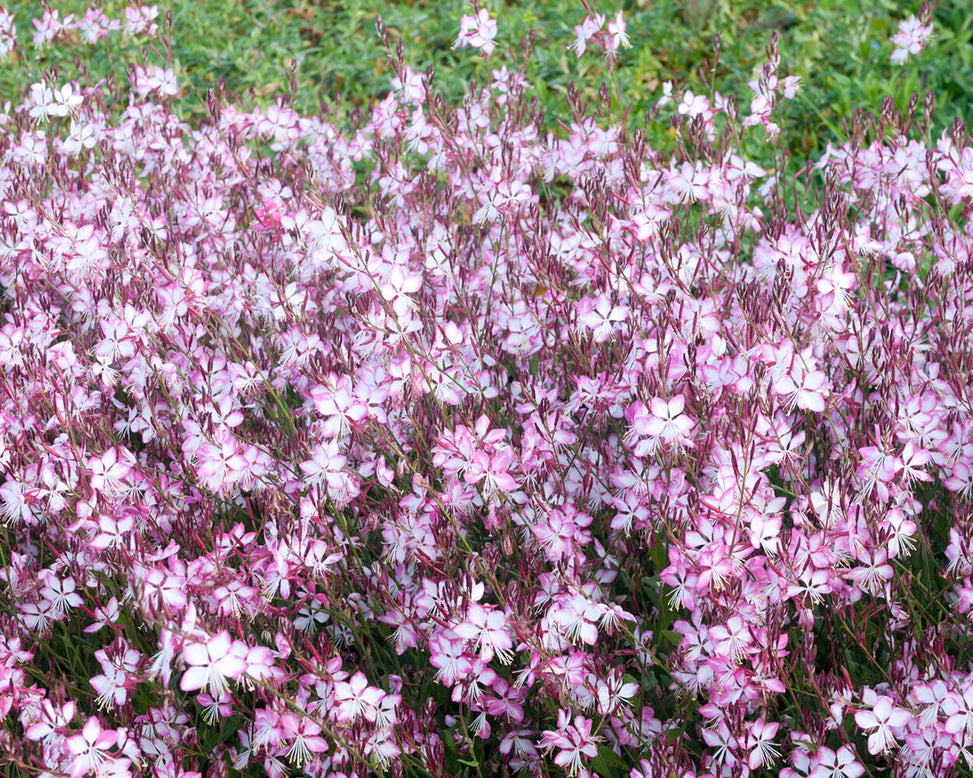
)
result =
(802, 386)
(693, 105)
(95, 25)
(478, 31)
(213, 710)
(665, 423)
(493, 471)
(618, 38)
(305, 737)
(140, 19)
(733, 639)
(399, 285)
(573, 741)
(89, 749)
(601, 316)
(356, 698)
(160, 81)
(689, 183)
(448, 655)
(112, 531)
(723, 742)
(912, 459)
(212, 663)
(50, 26)
(578, 617)
(344, 411)
(59, 102)
(911, 38)
(562, 530)
(478, 677)
(837, 764)
(488, 628)
(877, 470)
(765, 532)
(668, 421)
(880, 722)
(585, 31)
(52, 718)
(221, 463)
(112, 687)
(8, 33)
(961, 480)
(60, 593)
(762, 750)
(109, 471)
(325, 466)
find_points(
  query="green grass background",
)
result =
(840, 48)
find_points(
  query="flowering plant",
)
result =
(437, 445)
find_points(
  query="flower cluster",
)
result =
(478, 32)
(611, 38)
(912, 36)
(424, 439)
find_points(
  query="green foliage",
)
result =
(315, 50)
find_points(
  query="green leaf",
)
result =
(659, 553)
(672, 636)
(608, 764)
